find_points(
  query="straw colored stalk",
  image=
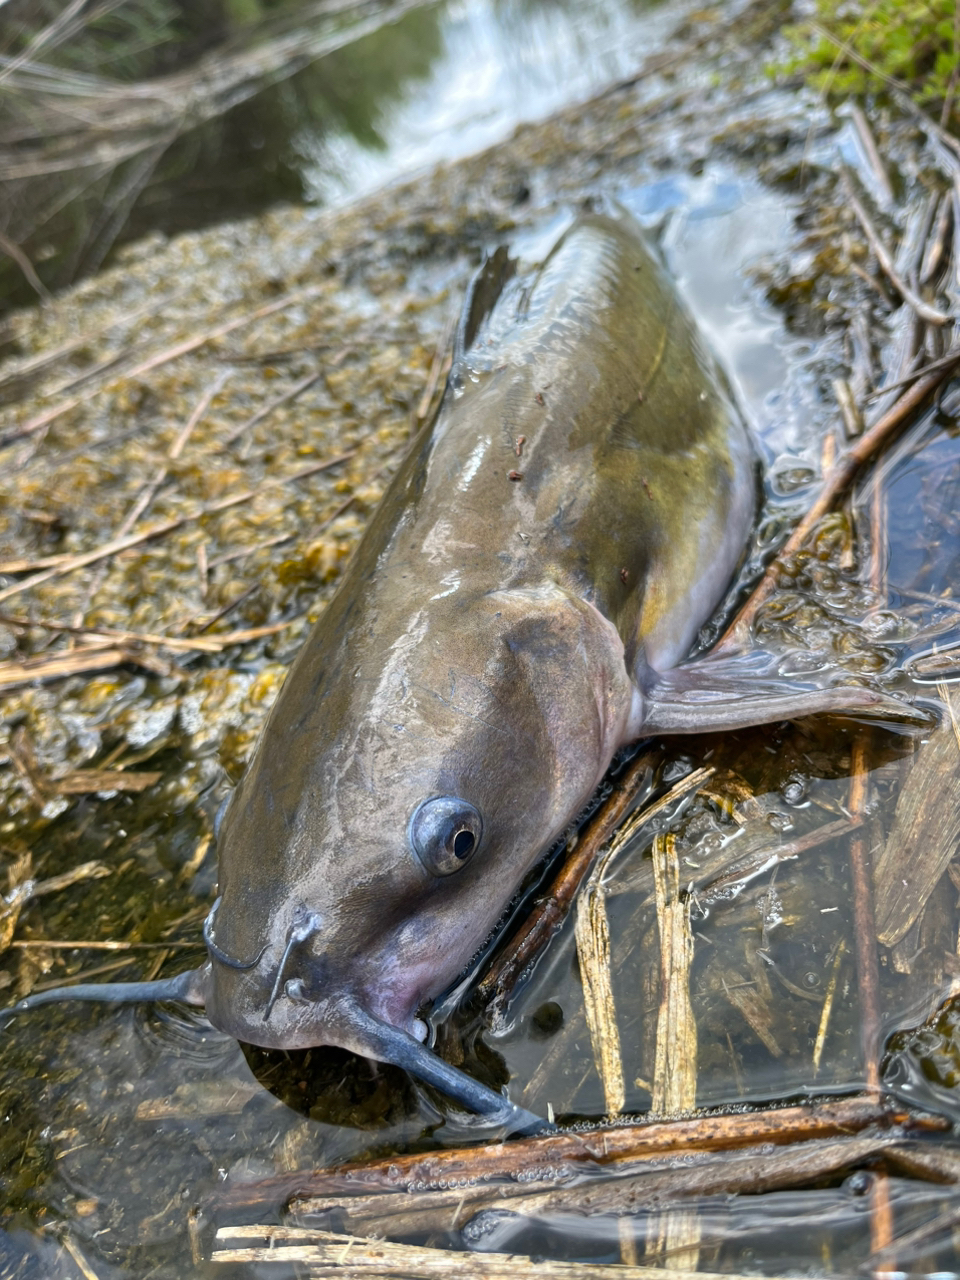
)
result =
(324, 1253)
(676, 1233)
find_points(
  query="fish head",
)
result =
(381, 832)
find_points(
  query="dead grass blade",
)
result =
(593, 953)
(56, 566)
(158, 359)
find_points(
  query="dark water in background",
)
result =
(435, 83)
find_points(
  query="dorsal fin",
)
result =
(482, 296)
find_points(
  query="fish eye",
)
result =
(444, 834)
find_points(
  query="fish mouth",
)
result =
(309, 1016)
(216, 952)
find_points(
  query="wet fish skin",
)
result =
(514, 613)
(493, 639)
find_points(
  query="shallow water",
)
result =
(116, 1123)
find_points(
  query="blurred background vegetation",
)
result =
(125, 117)
(850, 49)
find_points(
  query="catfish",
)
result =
(519, 609)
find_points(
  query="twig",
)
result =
(552, 909)
(78, 662)
(160, 358)
(607, 1146)
(87, 660)
(868, 142)
(194, 644)
(744, 869)
(99, 634)
(229, 608)
(835, 483)
(68, 1242)
(923, 309)
(85, 782)
(946, 362)
(85, 944)
(294, 391)
(630, 1191)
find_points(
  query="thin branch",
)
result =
(923, 309)
(604, 1145)
(866, 448)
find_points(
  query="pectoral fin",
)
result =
(721, 694)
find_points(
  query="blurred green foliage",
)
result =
(129, 39)
(850, 48)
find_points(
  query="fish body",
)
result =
(493, 640)
(518, 609)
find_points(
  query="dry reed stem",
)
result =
(675, 1233)
(872, 152)
(864, 920)
(593, 953)
(675, 1070)
(936, 249)
(923, 309)
(83, 1266)
(324, 1253)
(593, 949)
